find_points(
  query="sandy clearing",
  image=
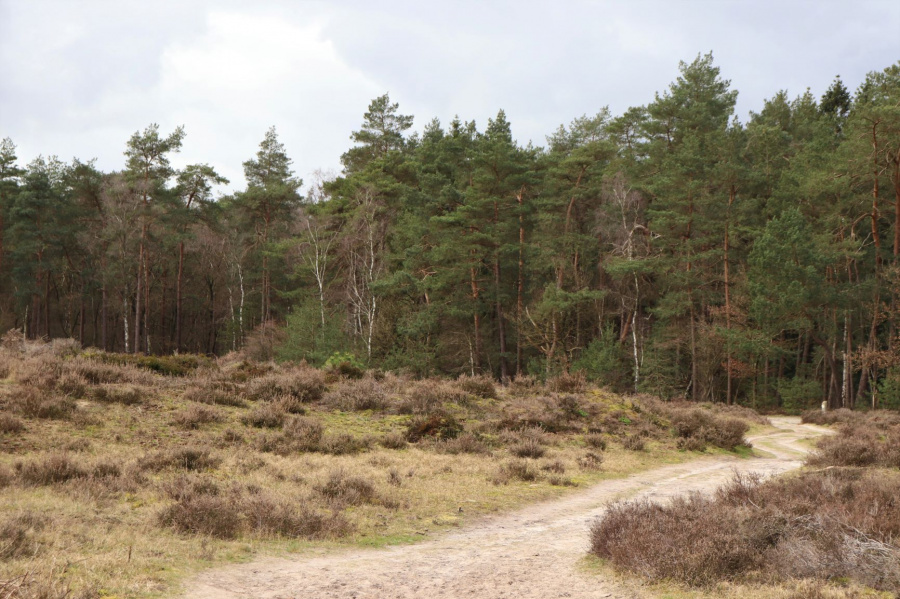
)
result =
(532, 553)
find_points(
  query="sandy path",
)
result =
(531, 553)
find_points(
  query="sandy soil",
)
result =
(531, 553)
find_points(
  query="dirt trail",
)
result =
(531, 553)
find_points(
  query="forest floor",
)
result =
(538, 551)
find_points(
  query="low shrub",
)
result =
(301, 383)
(348, 489)
(860, 445)
(518, 470)
(353, 395)
(184, 458)
(265, 416)
(568, 383)
(528, 448)
(271, 517)
(195, 416)
(51, 469)
(33, 403)
(10, 425)
(435, 426)
(590, 461)
(343, 444)
(633, 443)
(430, 396)
(204, 514)
(393, 441)
(481, 386)
(97, 369)
(72, 384)
(127, 395)
(464, 443)
(554, 466)
(818, 525)
(596, 441)
(299, 434)
(222, 393)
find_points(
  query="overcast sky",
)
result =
(77, 78)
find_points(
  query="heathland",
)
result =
(122, 474)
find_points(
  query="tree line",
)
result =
(671, 249)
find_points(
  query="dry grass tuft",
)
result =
(17, 535)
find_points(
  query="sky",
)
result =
(77, 79)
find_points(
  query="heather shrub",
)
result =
(348, 489)
(195, 416)
(464, 443)
(574, 382)
(430, 395)
(528, 448)
(839, 416)
(265, 416)
(184, 458)
(818, 525)
(481, 386)
(356, 395)
(10, 425)
(595, 440)
(72, 384)
(343, 444)
(127, 395)
(301, 383)
(50, 469)
(860, 445)
(633, 443)
(214, 391)
(590, 461)
(517, 470)
(299, 434)
(435, 426)
(96, 368)
(269, 516)
(34, 403)
(204, 514)
(393, 441)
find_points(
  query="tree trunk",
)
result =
(138, 293)
(477, 317)
(178, 283)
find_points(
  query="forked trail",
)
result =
(531, 553)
